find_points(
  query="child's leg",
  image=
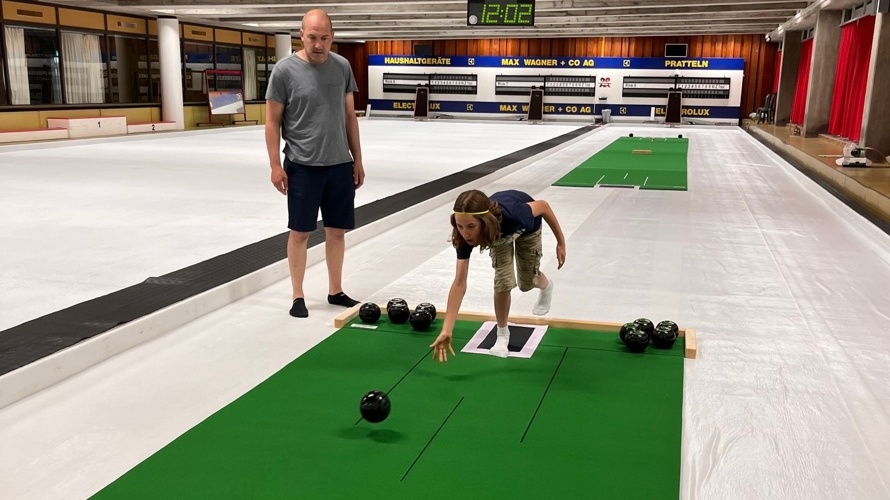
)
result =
(542, 307)
(502, 311)
(528, 263)
(504, 283)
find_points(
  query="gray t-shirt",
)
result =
(314, 98)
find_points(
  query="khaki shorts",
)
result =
(528, 262)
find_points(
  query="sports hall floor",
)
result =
(785, 286)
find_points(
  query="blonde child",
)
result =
(508, 224)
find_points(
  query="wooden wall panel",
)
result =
(191, 32)
(29, 13)
(254, 39)
(227, 36)
(82, 19)
(126, 24)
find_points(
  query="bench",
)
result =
(141, 127)
(90, 126)
(34, 134)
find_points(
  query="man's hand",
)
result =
(358, 174)
(279, 179)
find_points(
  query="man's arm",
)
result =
(274, 112)
(352, 137)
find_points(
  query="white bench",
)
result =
(36, 134)
(137, 128)
(90, 127)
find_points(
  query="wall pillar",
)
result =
(826, 41)
(170, 57)
(787, 76)
(282, 45)
(875, 124)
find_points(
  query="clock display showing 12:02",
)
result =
(500, 13)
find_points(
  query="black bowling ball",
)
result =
(664, 337)
(420, 320)
(429, 307)
(375, 406)
(393, 302)
(624, 329)
(369, 313)
(645, 325)
(668, 324)
(636, 341)
(398, 313)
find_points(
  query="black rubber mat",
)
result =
(35, 339)
(845, 198)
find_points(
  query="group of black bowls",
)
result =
(638, 334)
(398, 312)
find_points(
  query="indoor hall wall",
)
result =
(759, 55)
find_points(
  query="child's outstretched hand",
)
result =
(443, 342)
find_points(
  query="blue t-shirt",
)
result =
(516, 219)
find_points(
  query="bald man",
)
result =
(309, 103)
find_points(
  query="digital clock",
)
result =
(500, 12)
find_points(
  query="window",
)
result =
(154, 71)
(198, 58)
(83, 68)
(4, 100)
(128, 69)
(254, 67)
(33, 58)
(264, 68)
(868, 8)
(228, 58)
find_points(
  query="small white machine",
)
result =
(854, 156)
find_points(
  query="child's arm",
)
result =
(455, 298)
(542, 208)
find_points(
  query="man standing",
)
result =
(310, 104)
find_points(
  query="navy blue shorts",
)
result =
(330, 189)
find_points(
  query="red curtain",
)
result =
(799, 104)
(851, 76)
(776, 73)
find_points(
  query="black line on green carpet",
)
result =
(565, 350)
(431, 439)
(401, 379)
(600, 349)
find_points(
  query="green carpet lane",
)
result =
(594, 415)
(616, 165)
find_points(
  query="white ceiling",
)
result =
(358, 20)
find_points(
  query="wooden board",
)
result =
(688, 333)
